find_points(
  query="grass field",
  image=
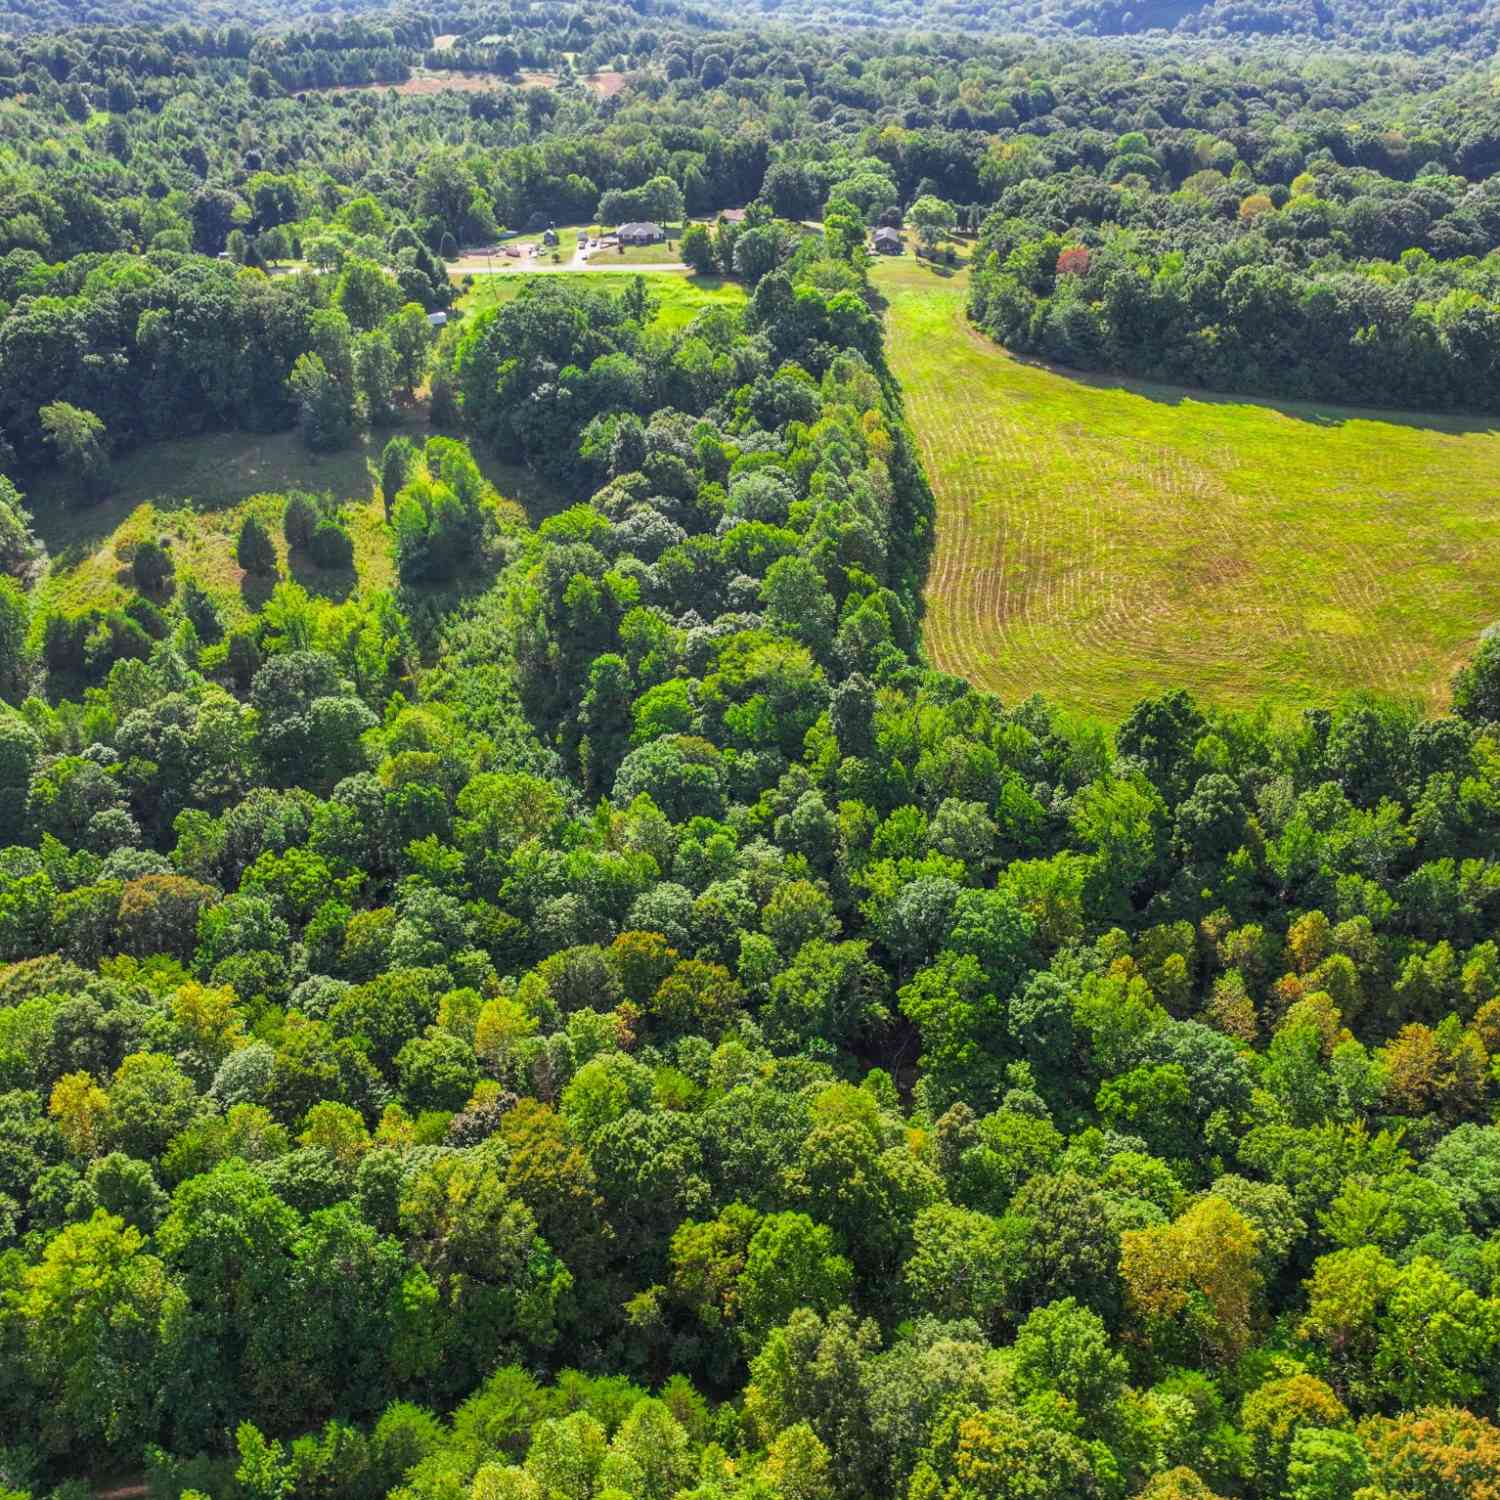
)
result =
(663, 254)
(679, 298)
(196, 492)
(1100, 539)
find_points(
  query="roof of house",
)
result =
(887, 234)
(733, 215)
(641, 227)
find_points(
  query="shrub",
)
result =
(78, 440)
(299, 519)
(201, 610)
(1073, 260)
(151, 567)
(243, 658)
(331, 546)
(395, 465)
(147, 616)
(254, 551)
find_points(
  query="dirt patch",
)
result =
(436, 83)
(606, 85)
(1217, 570)
(424, 81)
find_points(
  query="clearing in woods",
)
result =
(1101, 539)
(438, 80)
(679, 298)
(194, 492)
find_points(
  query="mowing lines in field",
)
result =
(1099, 540)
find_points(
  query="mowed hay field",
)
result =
(1099, 540)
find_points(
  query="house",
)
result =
(888, 241)
(549, 237)
(733, 215)
(641, 234)
(436, 319)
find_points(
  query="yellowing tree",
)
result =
(81, 1109)
(1195, 1278)
(207, 1016)
(501, 1024)
(798, 1466)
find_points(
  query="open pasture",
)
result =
(1101, 539)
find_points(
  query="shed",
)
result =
(549, 236)
(888, 241)
(437, 319)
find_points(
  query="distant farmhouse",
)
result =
(641, 234)
(888, 241)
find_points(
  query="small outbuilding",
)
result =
(887, 242)
(641, 234)
(549, 236)
(437, 319)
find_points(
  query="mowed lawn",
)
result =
(1099, 540)
(679, 297)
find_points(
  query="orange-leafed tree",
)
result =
(1194, 1281)
(1073, 260)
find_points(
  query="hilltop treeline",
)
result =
(1460, 26)
(1176, 259)
(1258, 225)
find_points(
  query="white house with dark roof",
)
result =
(641, 233)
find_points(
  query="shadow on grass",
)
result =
(72, 532)
(537, 495)
(1317, 413)
(334, 584)
(256, 588)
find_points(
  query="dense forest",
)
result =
(1359, 280)
(1417, 26)
(601, 1019)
